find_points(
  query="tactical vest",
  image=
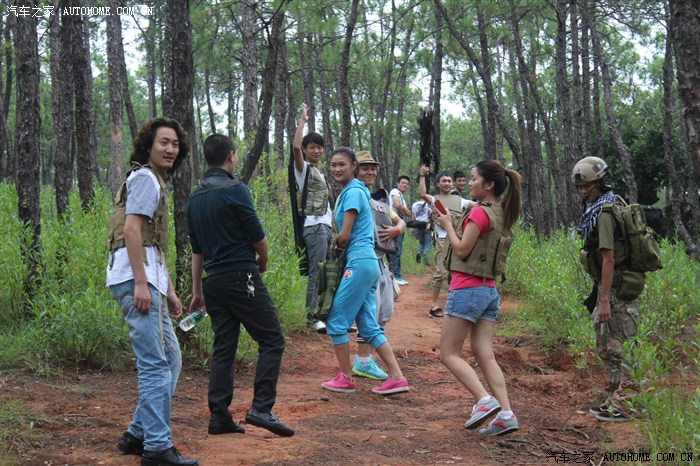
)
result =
(628, 285)
(487, 258)
(314, 198)
(451, 202)
(381, 216)
(154, 231)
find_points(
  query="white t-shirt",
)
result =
(142, 199)
(399, 194)
(441, 232)
(311, 220)
(421, 209)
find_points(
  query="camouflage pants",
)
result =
(610, 337)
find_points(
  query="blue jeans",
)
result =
(425, 238)
(158, 362)
(395, 258)
(317, 239)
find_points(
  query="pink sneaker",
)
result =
(341, 383)
(390, 386)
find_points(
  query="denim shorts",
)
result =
(473, 304)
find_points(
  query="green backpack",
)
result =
(642, 250)
(329, 275)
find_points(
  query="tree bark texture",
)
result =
(436, 86)
(83, 114)
(250, 68)
(677, 188)
(268, 91)
(115, 59)
(607, 100)
(61, 112)
(343, 84)
(177, 104)
(685, 27)
(28, 126)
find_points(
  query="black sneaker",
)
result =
(231, 427)
(169, 457)
(612, 415)
(130, 445)
(436, 313)
(268, 421)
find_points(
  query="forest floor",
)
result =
(85, 413)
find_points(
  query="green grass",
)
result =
(546, 276)
(17, 424)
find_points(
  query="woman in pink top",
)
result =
(477, 257)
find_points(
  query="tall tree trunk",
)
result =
(541, 186)
(27, 127)
(306, 48)
(281, 108)
(250, 68)
(207, 95)
(491, 124)
(324, 98)
(83, 119)
(685, 27)
(231, 109)
(8, 164)
(343, 84)
(61, 111)
(400, 149)
(580, 113)
(3, 120)
(678, 195)
(115, 57)
(485, 75)
(565, 188)
(268, 92)
(585, 122)
(436, 89)
(151, 66)
(177, 104)
(381, 125)
(523, 158)
(607, 99)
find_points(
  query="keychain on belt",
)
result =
(251, 286)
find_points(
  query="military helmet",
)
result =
(589, 169)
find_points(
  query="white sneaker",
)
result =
(401, 281)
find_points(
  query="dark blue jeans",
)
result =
(395, 258)
(229, 305)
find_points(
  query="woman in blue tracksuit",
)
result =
(354, 299)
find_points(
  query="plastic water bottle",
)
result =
(191, 320)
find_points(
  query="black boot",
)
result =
(169, 457)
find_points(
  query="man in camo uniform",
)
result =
(614, 307)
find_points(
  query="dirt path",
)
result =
(85, 414)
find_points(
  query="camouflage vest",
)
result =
(313, 199)
(154, 231)
(487, 258)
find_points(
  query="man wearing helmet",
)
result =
(614, 319)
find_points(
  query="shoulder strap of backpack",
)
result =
(305, 190)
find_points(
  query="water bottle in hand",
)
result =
(191, 320)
